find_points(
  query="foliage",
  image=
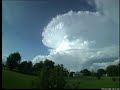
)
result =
(93, 73)
(98, 76)
(101, 72)
(51, 76)
(114, 79)
(75, 84)
(112, 70)
(3, 65)
(37, 67)
(25, 67)
(65, 72)
(86, 72)
(71, 74)
(13, 60)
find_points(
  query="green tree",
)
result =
(25, 67)
(86, 72)
(36, 69)
(60, 81)
(65, 72)
(3, 65)
(93, 73)
(29, 66)
(47, 75)
(98, 76)
(101, 72)
(13, 60)
(51, 76)
(48, 64)
(71, 74)
(118, 69)
(112, 70)
(22, 66)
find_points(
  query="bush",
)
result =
(72, 85)
(114, 79)
(3, 65)
(50, 77)
(13, 60)
(98, 76)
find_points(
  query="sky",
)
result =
(77, 33)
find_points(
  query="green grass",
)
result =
(11, 79)
(91, 82)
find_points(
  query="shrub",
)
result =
(114, 79)
(50, 77)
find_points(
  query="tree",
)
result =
(98, 76)
(47, 75)
(118, 69)
(49, 64)
(93, 73)
(25, 67)
(3, 65)
(13, 60)
(51, 76)
(101, 72)
(71, 74)
(22, 66)
(60, 81)
(29, 66)
(112, 70)
(86, 72)
(65, 72)
(37, 67)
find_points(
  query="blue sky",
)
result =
(23, 22)
(77, 33)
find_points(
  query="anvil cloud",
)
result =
(83, 39)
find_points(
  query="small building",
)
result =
(77, 74)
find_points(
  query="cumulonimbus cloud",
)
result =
(75, 38)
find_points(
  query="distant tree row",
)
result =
(14, 62)
(111, 71)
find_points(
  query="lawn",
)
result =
(91, 82)
(11, 79)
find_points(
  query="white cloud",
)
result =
(75, 38)
(38, 58)
(110, 8)
(103, 65)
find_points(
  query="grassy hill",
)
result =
(11, 79)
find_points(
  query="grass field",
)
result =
(91, 82)
(11, 79)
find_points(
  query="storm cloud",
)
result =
(83, 39)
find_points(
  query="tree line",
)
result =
(51, 75)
